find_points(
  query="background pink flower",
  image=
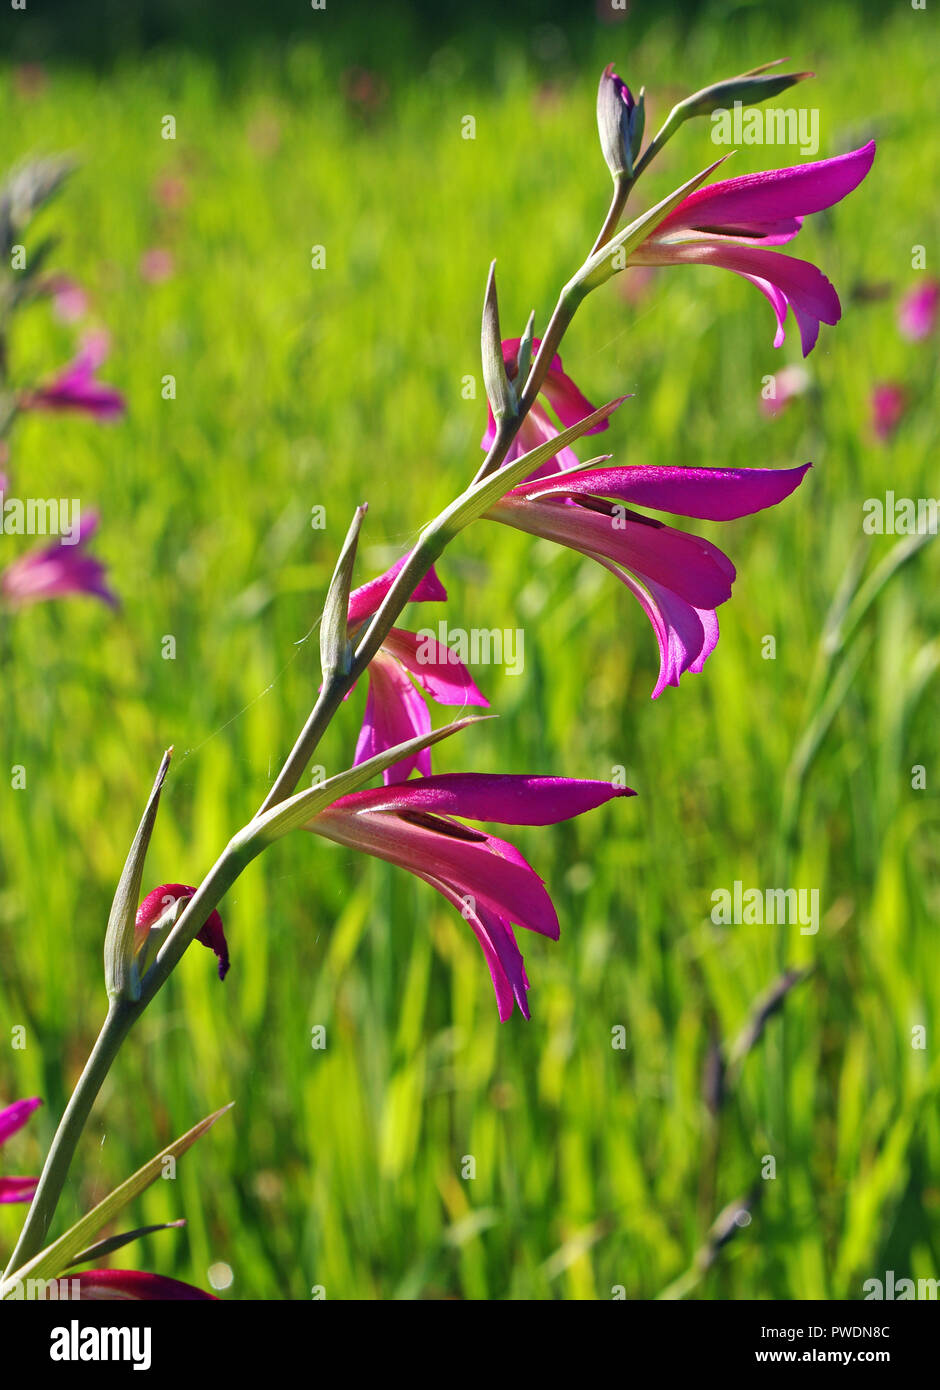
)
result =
(13, 1118)
(917, 311)
(77, 387)
(888, 406)
(54, 571)
(156, 265)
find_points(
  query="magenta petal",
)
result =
(101, 1285)
(212, 934)
(503, 956)
(504, 798)
(395, 712)
(156, 903)
(367, 599)
(511, 355)
(14, 1116)
(535, 430)
(772, 195)
(783, 279)
(491, 872)
(17, 1189)
(697, 570)
(568, 403)
(435, 667)
(686, 635)
(708, 494)
(807, 289)
(489, 434)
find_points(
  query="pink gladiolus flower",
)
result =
(678, 578)
(569, 404)
(171, 192)
(76, 388)
(418, 825)
(917, 312)
(156, 265)
(57, 570)
(100, 1285)
(158, 901)
(395, 711)
(69, 300)
(888, 407)
(13, 1118)
(732, 223)
(789, 382)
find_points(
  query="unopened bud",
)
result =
(749, 87)
(620, 121)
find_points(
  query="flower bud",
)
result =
(620, 122)
(159, 912)
(748, 87)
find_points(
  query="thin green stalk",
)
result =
(124, 1013)
(562, 315)
(121, 1017)
(56, 1167)
(622, 185)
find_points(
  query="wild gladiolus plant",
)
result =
(387, 802)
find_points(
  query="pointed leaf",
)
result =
(480, 497)
(499, 389)
(335, 649)
(612, 257)
(120, 969)
(108, 1247)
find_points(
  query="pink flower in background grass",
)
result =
(678, 578)
(56, 571)
(160, 901)
(13, 1118)
(418, 825)
(365, 91)
(568, 403)
(888, 406)
(171, 191)
(395, 709)
(69, 300)
(156, 265)
(77, 387)
(917, 311)
(732, 223)
(788, 383)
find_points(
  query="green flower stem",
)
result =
(431, 545)
(622, 185)
(123, 1013)
(121, 1017)
(563, 313)
(56, 1167)
(429, 548)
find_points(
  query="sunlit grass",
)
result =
(295, 388)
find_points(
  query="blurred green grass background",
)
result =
(596, 1167)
